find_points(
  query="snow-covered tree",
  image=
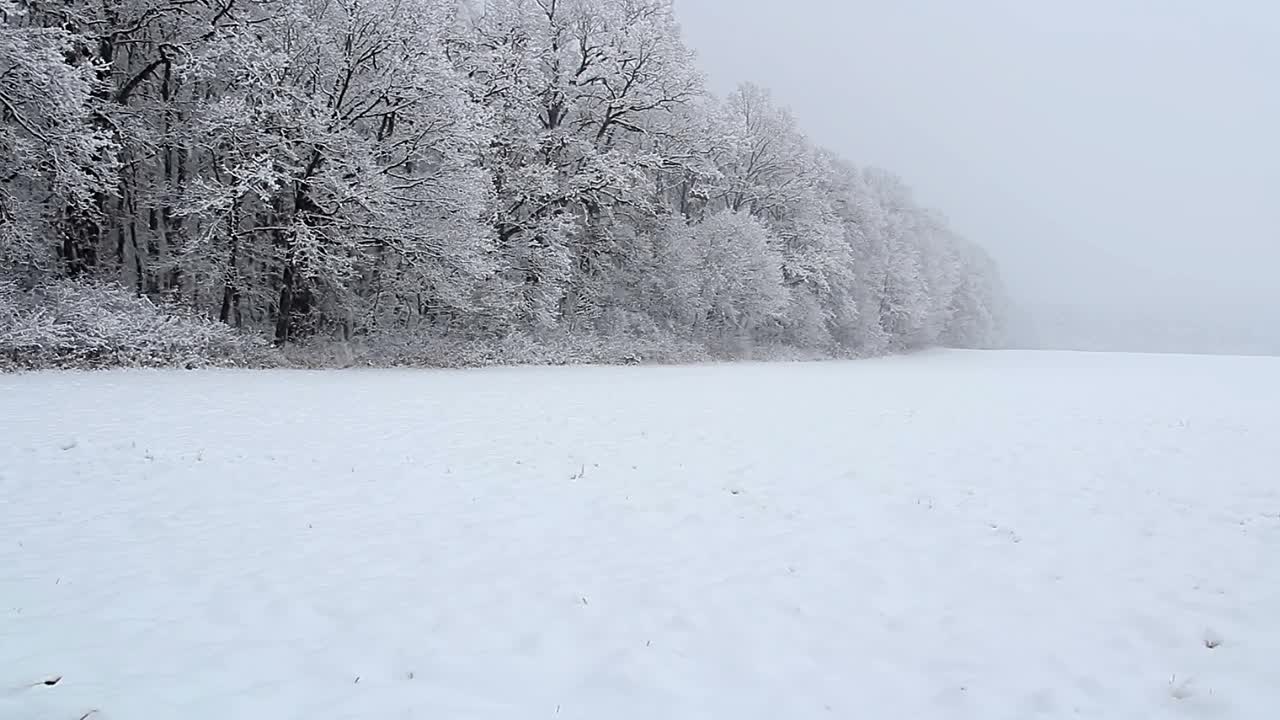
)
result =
(345, 145)
(741, 286)
(53, 156)
(575, 88)
(398, 167)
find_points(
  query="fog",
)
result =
(1119, 158)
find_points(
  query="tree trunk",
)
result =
(80, 239)
(231, 291)
(284, 309)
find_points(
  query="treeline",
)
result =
(377, 168)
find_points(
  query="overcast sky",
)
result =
(1101, 149)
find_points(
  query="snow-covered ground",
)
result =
(950, 535)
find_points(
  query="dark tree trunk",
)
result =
(137, 259)
(284, 309)
(80, 239)
(230, 311)
(231, 292)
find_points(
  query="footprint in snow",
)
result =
(1212, 640)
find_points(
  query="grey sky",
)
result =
(1101, 149)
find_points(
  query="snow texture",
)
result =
(949, 535)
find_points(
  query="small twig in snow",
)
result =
(47, 682)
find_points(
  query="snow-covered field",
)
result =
(950, 535)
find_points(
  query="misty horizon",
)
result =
(1117, 159)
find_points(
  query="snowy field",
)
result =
(950, 535)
